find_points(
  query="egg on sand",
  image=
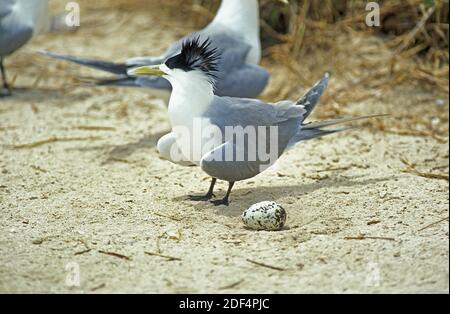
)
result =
(265, 215)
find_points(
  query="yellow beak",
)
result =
(152, 70)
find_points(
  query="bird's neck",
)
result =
(190, 98)
(241, 16)
(238, 13)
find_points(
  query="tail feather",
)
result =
(322, 124)
(111, 67)
(318, 129)
(309, 134)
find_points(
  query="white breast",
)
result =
(191, 97)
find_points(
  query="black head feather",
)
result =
(196, 56)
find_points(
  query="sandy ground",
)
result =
(97, 199)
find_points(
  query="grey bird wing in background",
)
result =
(236, 77)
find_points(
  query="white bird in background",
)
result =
(235, 33)
(193, 105)
(20, 20)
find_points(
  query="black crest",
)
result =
(196, 56)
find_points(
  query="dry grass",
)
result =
(411, 168)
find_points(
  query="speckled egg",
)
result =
(264, 216)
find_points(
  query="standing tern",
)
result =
(201, 121)
(235, 33)
(20, 20)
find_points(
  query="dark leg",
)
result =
(225, 201)
(208, 195)
(7, 90)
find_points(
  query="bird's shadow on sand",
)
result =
(122, 152)
(126, 150)
(242, 198)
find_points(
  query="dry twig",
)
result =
(266, 266)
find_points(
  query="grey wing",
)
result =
(236, 76)
(14, 31)
(246, 81)
(234, 161)
(231, 111)
(274, 126)
(276, 123)
(243, 158)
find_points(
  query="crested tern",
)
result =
(235, 33)
(20, 20)
(199, 120)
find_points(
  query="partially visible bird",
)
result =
(231, 139)
(20, 20)
(235, 33)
